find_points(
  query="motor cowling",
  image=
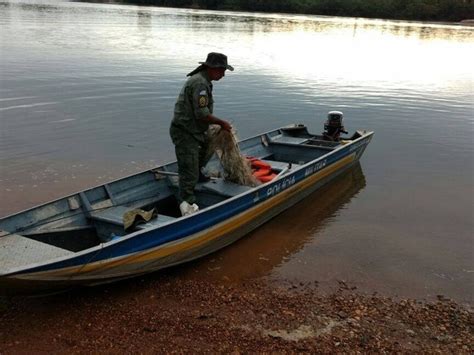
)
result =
(333, 127)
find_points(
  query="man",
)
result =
(192, 117)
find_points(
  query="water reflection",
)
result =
(276, 242)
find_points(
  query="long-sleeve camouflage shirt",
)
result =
(194, 102)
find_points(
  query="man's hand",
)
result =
(225, 125)
(215, 120)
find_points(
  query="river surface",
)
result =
(87, 93)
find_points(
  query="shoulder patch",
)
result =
(202, 101)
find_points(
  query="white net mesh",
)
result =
(236, 167)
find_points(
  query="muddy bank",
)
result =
(172, 314)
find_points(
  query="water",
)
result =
(87, 92)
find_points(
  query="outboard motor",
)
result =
(333, 126)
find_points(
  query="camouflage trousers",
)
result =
(192, 155)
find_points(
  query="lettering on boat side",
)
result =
(282, 185)
(315, 167)
(256, 197)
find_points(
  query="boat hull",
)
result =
(194, 237)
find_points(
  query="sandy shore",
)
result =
(168, 313)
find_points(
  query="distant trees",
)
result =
(424, 10)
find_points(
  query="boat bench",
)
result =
(110, 221)
(157, 221)
(222, 187)
(112, 215)
(289, 139)
(280, 165)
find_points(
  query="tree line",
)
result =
(421, 10)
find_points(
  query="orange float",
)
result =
(258, 164)
(261, 170)
(267, 178)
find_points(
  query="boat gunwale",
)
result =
(104, 245)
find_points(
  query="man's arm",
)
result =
(200, 102)
(211, 119)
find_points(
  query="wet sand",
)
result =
(168, 312)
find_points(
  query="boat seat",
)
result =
(280, 165)
(158, 221)
(289, 139)
(222, 187)
(114, 215)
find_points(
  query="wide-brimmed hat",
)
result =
(217, 60)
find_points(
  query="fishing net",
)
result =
(236, 167)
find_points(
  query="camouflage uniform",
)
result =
(188, 131)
